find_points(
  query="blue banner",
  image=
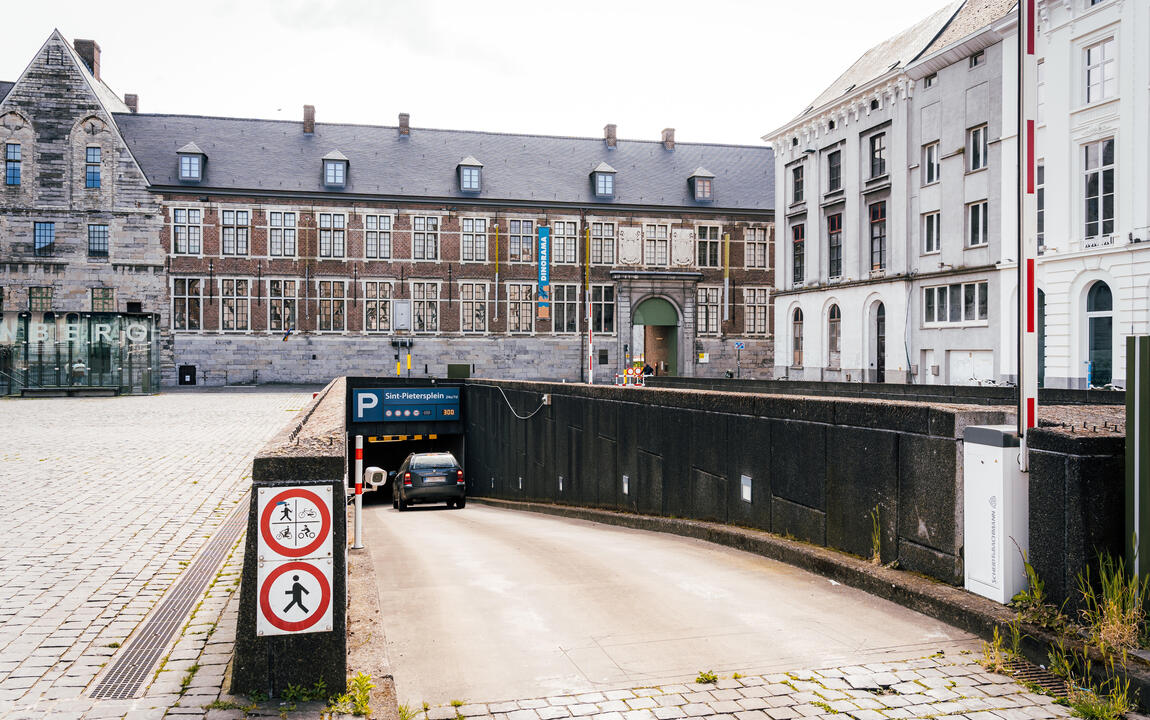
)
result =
(405, 404)
(544, 266)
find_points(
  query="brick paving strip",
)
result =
(937, 687)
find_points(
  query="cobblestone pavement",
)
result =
(107, 501)
(940, 687)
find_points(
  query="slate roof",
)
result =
(277, 156)
(974, 15)
(4, 88)
(893, 53)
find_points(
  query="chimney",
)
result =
(609, 135)
(669, 138)
(404, 124)
(309, 119)
(133, 102)
(89, 52)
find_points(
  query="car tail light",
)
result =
(459, 476)
(407, 479)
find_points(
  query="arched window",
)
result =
(833, 337)
(797, 338)
(1099, 333)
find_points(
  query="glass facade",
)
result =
(45, 351)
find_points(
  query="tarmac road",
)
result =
(485, 604)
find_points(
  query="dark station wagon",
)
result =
(428, 478)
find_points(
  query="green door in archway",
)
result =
(659, 335)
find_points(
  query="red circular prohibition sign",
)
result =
(295, 625)
(266, 519)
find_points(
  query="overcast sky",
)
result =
(725, 71)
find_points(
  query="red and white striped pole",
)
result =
(1027, 228)
(358, 544)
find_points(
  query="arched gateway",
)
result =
(655, 334)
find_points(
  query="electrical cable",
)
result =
(542, 404)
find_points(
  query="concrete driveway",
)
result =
(486, 604)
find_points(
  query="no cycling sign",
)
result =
(294, 560)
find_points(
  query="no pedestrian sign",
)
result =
(294, 560)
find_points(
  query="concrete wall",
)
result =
(817, 466)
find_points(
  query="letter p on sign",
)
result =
(365, 401)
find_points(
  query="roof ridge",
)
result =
(430, 129)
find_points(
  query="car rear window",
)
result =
(420, 462)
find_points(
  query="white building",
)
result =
(1094, 145)
(897, 213)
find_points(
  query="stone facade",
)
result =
(59, 116)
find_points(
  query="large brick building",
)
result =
(295, 251)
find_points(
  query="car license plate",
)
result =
(434, 479)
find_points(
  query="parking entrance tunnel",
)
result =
(398, 417)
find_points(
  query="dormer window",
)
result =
(335, 169)
(470, 175)
(191, 163)
(603, 181)
(702, 183)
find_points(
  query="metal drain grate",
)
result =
(1026, 672)
(140, 654)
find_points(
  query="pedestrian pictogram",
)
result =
(294, 522)
(294, 597)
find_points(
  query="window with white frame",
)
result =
(834, 337)
(956, 304)
(604, 184)
(473, 306)
(1098, 164)
(234, 305)
(708, 246)
(798, 253)
(377, 237)
(332, 297)
(377, 306)
(797, 184)
(707, 311)
(521, 241)
(473, 241)
(930, 80)
(603, 309)
(603, 243)
(425, 240)
(235, 231)
(282, 305)
(335, 173)
(976, 148)
(756, 247)
(797, 338)
(1040, 81)
(977, 224)
(755, 311)
(931, 232)
(835, 245)
(834, 171)
(332, 235)
(878, 236)
(469, 178)
(425, 306)
(1040, 197)
(187, 310)
(191, 167)
(565, 308)
(282, 234)
(564, 241)
(931, 164)
(877, 155)
(187, 231)
(977, 59)
(656, 245)
(1101, 71)
(520, 307)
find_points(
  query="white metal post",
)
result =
(358, 544)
